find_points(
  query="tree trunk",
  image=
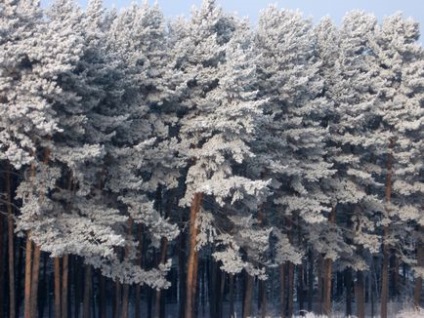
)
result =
(137, 301)
(11, 246)
(57, 296)
(385, 267)
(118, 300)
(19, 275)
(328, 269)
(231, 291)
(419, 280)
(360, 294)
(310, 280)
(283, 286)
(65, 285)
(290, 288)
(102, 296)
(35, 276)
(192, 258)
(28, 269)
(126, 287)
(248, 295)
(348, 287)
(262, 298)
(87, 292)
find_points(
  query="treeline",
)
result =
(202, 167)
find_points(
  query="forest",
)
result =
(205, 167)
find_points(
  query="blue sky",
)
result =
(311, 8)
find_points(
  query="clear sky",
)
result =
(311, 8)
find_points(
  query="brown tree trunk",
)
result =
(87, 292)
(385, 267)
(28, 271)
(290, 288)
(57, 289)
(35, 276)
(419, 280)
(248, 295)
(65, 285)
(126, 287)
(328, 269)
(192, 258)
(11, 246)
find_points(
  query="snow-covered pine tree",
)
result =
(353, 124)
(218, 115)
(400, 75)
(291, 144)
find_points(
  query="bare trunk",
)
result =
(87, 292)
(28, 268)
(65, 285)
(35, 279)
(102, 296)
(283, 302)
(57, 296)
(262, 297)
(328, 270)
(192, 258)
(360, 294)
(118, 300)
(140, 263)
(385, 267)
(231, 291)
(126, 287)
(247, 306)
(11, 246)
(290, 288)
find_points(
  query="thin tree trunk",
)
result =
(231, 291)
(126, 287)
(102, 297)
(283, 294)
(290, 288)
(87, 292)
(140, 263)
(310, 280)
(419, 280)
(11, 246)
(262, 297)
(360, 294)
(65, 285)
(57, 289)
(328, 269)
(19, 275)
(385, 267)
(28, 271)
(118, 300)
(192, 258)
(35, 279)
(248, 295)
(348, 287)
